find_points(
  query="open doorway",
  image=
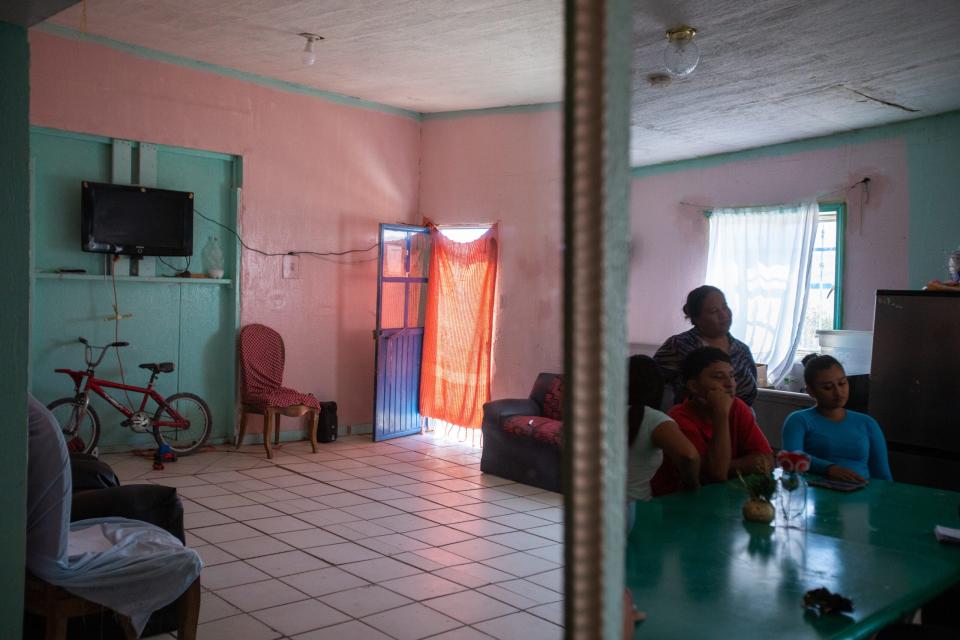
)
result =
(434, 332)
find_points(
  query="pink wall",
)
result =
(317, 175)
(507, 168)
(669, 239)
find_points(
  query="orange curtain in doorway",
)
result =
(458, 329)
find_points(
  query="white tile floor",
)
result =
(400, 540)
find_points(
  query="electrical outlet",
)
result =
(291, 267)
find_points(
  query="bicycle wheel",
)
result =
(183, 440)
(81, 427)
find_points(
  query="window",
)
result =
(824, 299)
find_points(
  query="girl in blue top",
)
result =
(842, 445)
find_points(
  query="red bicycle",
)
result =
(181, 421)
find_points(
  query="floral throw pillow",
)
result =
(553, 400)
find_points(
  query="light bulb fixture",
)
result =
(682, 54)
(308, 56)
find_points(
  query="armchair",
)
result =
(522, 438)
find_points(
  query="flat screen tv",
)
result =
(135, 221)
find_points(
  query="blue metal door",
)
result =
(401, 299)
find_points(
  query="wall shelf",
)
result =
(47, 275)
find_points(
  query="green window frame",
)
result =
(839, 211)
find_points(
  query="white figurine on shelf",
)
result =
(213, 258)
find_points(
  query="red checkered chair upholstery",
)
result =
(262, 357)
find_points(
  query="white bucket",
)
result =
(854, 349)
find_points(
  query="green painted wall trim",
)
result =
(858, 136)
(61, 133)
(15, 318)
(491, 111)
(292, 87)
(840, 209)
(88, 137)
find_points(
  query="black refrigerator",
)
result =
(915, 384)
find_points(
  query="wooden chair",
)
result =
(56, 606)
(262, 358)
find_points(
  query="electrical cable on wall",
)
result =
(117, 317)
(186, 269)
(864, 199)
(284, 253)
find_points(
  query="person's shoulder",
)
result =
(741, 415)
(687, 419)
(739, 345)
(654, 417)
(685, 340)
(741, 408)
(803, 414)
(863, 418)
(682, 413)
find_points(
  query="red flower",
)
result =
(793, 461)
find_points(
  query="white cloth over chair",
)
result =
(131, 567)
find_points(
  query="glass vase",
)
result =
(793, 495)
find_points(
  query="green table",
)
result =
(700, 571)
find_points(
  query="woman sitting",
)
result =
(650, 434)
(653, 433)
(842, 445)
(707, 310)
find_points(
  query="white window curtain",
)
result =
(760, 258)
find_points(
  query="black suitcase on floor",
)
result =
(327, 429)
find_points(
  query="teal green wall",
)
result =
(189, 322)
(933, 162)
(15, 318)
(933, 165)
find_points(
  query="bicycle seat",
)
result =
(158, 367)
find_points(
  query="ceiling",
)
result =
(772, 71)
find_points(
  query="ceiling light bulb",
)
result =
(682, 54)
(308, 56)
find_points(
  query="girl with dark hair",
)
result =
(842, 445)
(706, 309)
(652, 433)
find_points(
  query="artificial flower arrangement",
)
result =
(792, 463)
(793, 497)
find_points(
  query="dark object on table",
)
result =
(824, 602)
(836, 485)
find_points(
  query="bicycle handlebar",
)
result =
(88, 351)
